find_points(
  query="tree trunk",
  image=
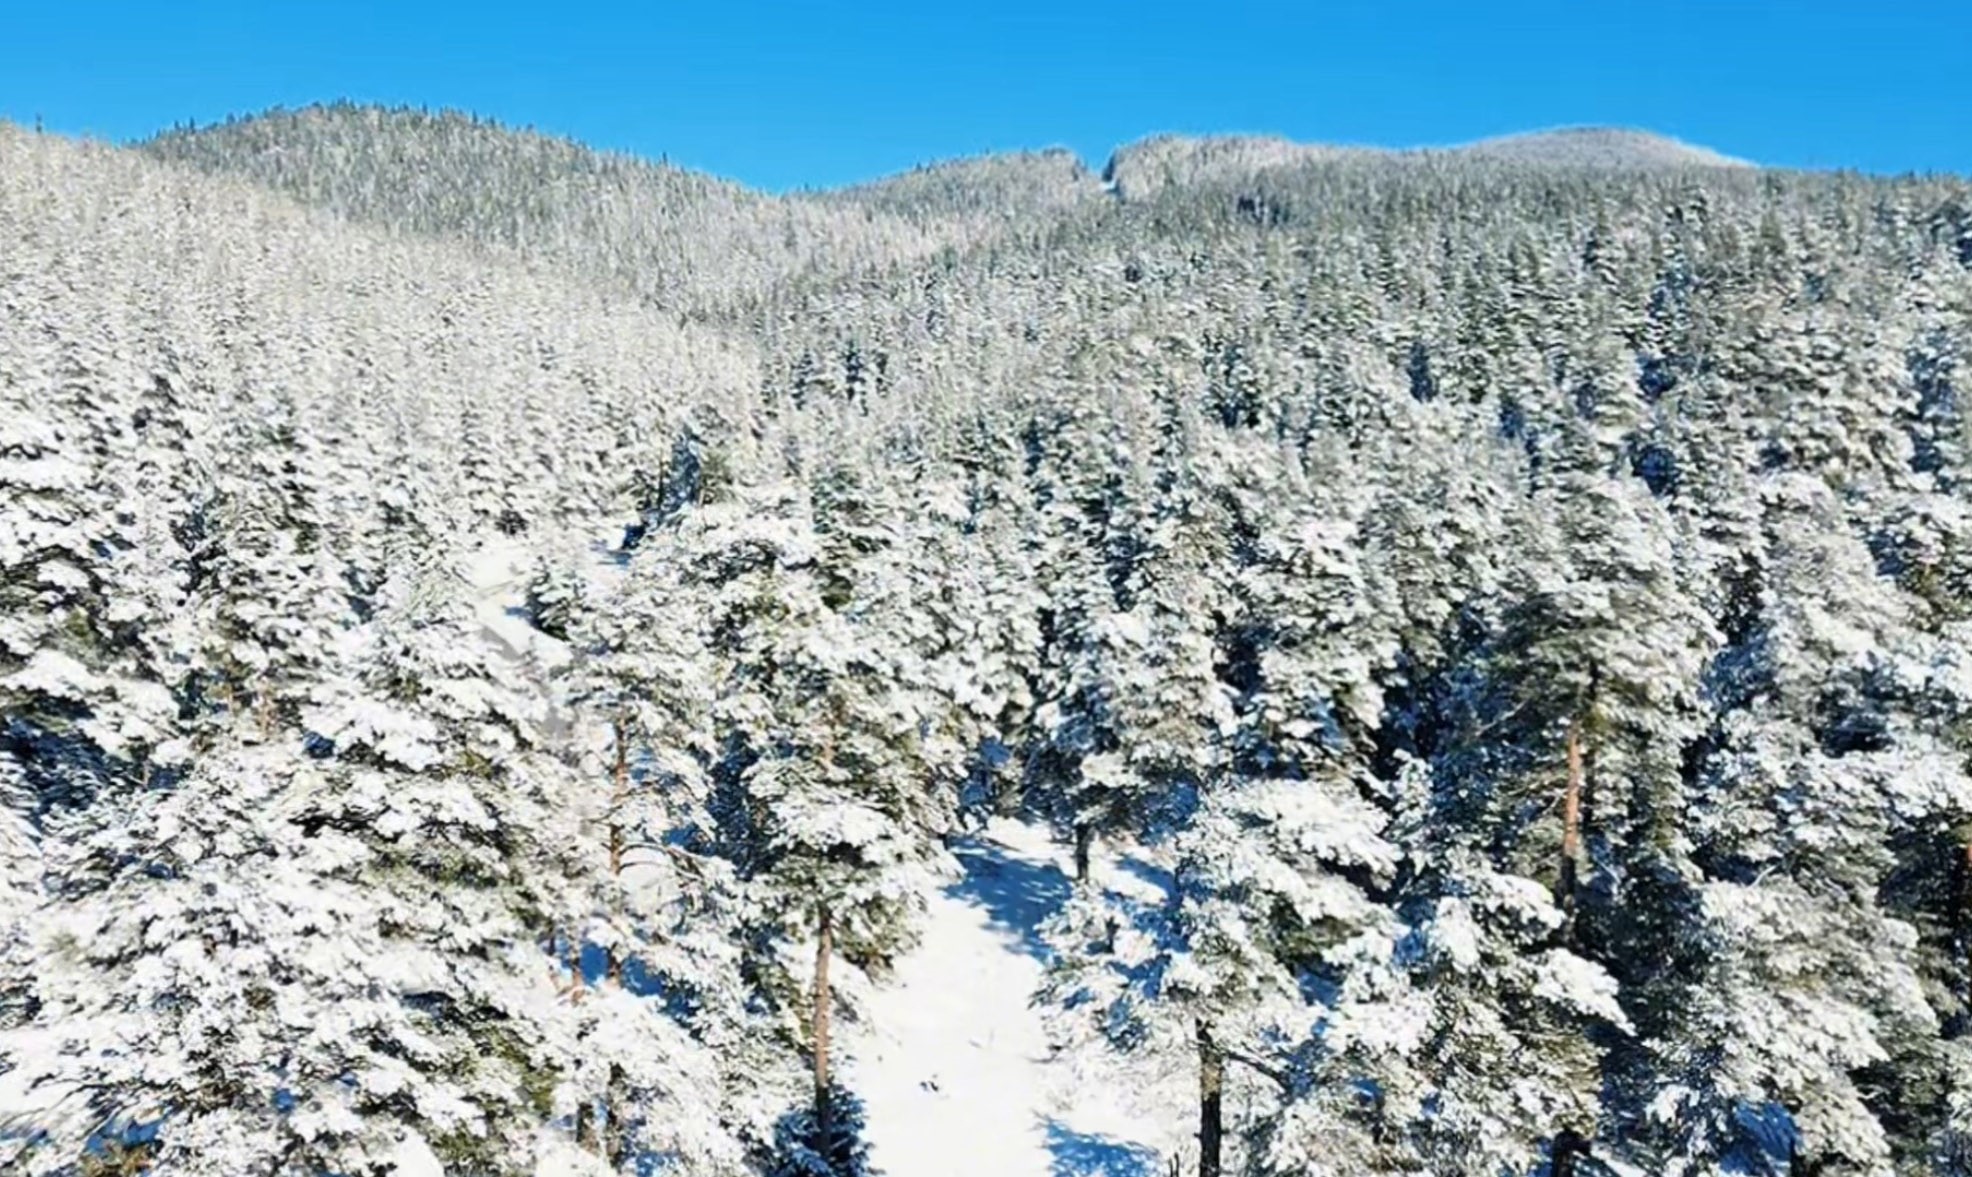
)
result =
(1571, 832)
(616, 1141)
(1568, 1146)
(1211, 1092)
(572, 946)
(824, 944)
(618, 794)
(618, 797)
(1962, 910)
(1085, 836)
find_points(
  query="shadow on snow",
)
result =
(1154, 876)
(1018, 895)
(1082, 1154)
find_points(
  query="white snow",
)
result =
(953, 1062)
(414, 1158)
(498, 572)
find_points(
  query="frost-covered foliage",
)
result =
(495, 639)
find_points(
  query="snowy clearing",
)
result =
(953, 1064)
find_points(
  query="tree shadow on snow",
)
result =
(1016, 894)
(1155, 876)
(1082, 1154)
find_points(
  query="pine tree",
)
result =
(840, 830)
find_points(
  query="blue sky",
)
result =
(783, 95)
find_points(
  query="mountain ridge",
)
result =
(716, 249)
(1598, 145)
(1141, 167)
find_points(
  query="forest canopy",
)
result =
(1520, 596)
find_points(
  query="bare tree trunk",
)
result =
(824, 945)
(1568, 1146)
(1211, 1093)
(616, 1143)
(1085, 836)
(605, 1138)
(618, 797)
(1571, 832)
(572, 948)
(1962, 909)
(618, 794)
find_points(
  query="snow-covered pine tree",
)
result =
(1807, 984)
(640, 698)
(338, 955)
(829, 811)
(268, 586)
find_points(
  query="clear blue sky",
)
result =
(818, 93)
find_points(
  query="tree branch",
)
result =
(1277, 1075)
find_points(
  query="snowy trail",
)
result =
(497, 573)
(953, 1062)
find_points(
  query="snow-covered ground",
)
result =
(498, 572)
(952, 1062)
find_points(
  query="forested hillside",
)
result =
(1508, 610)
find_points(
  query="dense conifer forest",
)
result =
(501, 645)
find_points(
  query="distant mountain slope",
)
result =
(682, 239)
(256, 300)
(1599, 147)
(998, 185)
(715, 249)
(1143, 168)
(1147, 166)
